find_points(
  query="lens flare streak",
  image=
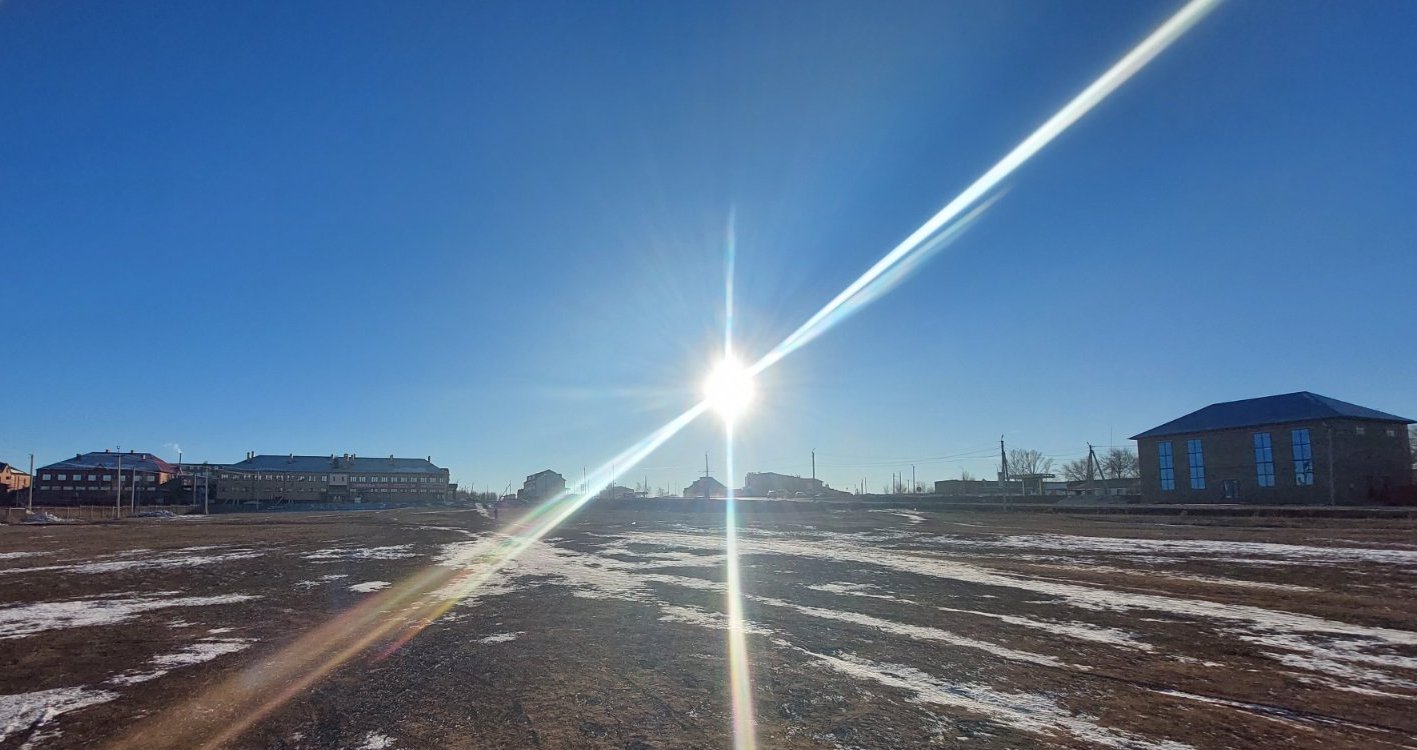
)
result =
(857, 294)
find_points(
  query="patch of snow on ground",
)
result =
(918, 632)
(13, 555)
(33, 710)
(856, 589)
(28, 619)
(193, 653)
(501, 637)
(369, 587)
(1182, 577)
(376, 741)
(174, 559)
(1079, 630)
(1036, 714)
(392, 552)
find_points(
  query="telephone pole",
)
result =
(31, 488)
(1003, 466)
(118, 493)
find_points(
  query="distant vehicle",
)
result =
(799, 494)
(774, 493)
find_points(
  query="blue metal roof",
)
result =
(308, 464)
(1252, 412)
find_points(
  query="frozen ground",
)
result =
(867, 630)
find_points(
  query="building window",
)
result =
(1168, 466)
(46, 477)
(1303, 458)
(1195, 457)
(1361, 430)
(1391, 432)
(108, 477)
(93, 477)
(63, 477)
(1232, 489)
(1264, 459)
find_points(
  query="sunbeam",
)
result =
(857, 294)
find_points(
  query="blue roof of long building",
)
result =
(1282, 409)
(372, 465)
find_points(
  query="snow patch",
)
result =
(1032, 713)
(369, 586)
(392, 552)
(33, 710)
(375, 741)
(193, 653)
(29, 619)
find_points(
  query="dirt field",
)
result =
(867, 630)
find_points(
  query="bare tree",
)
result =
(965, 476)
(1120, 463)
(1078, 471)
(1028, 461)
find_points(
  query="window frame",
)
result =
(1195, 462)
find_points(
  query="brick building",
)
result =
(12, 480)
(1293, 448)
(331, 479)
(94, 478)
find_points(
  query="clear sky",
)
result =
(493, 232)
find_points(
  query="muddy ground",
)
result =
(866, 630)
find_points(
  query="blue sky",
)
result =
(493, 233)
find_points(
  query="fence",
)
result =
(90, 513)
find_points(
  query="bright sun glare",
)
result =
(729, 388)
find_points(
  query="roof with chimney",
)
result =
(132, 460)
(1282, 409)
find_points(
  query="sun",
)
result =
(729, 388)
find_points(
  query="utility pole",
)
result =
(1003, 466)
(30, 509)
(814, 468)
(913, 486)
(118, 494)
(206, 490)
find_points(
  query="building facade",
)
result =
(767, 483)
(12, 480)
(541, 486)
(97, 478)
(331, 479)
(706, 487)
(1293, 448)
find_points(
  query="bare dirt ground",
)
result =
(867, 630)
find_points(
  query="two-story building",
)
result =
(343, 478)
(12, 480)
(92, 478)
(1292, 448)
